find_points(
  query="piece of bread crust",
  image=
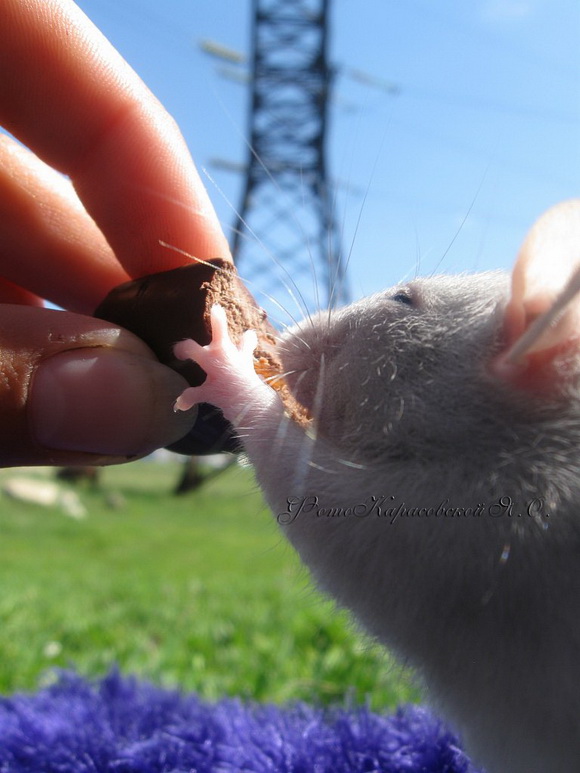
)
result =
(174, 305)
(226, 289)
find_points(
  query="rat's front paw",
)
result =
(230, 370)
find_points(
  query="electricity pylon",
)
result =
(286, 239)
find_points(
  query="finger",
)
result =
(77, 390)
(220, 334)
(11, 293)
(188, 350)
(190, 397)
(68, 95)
(48, 242)
(249, 342)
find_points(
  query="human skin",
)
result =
(74, 389)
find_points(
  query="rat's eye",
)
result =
(403, 297)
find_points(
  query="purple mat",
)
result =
(123, 725)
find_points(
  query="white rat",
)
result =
(438, 494)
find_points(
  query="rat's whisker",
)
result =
(247, 282)
(289, 283)
(463, 221)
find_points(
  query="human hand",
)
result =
(73, 389)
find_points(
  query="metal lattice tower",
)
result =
(286, 235)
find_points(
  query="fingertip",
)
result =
(249, 341)
(186, 349)
(186, 400)
(105, 402)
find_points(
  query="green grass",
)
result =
(197, 591)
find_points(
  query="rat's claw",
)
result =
(187, 399)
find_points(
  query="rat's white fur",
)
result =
(482, 603)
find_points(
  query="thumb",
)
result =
(78, 390)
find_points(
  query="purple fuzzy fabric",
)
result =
(121, 725)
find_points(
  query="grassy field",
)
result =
(197, 591)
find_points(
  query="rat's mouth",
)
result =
(270, 369)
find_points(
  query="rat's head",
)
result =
(403, 369)
(408, 373)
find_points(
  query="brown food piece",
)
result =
(271, 370)
(227, 290)
(174, 305)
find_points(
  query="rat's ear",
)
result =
(543, 313)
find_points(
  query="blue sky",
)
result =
(446, 176)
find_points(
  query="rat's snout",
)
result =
(305, 352)
(301, 371)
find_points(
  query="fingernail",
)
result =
(105, 401)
